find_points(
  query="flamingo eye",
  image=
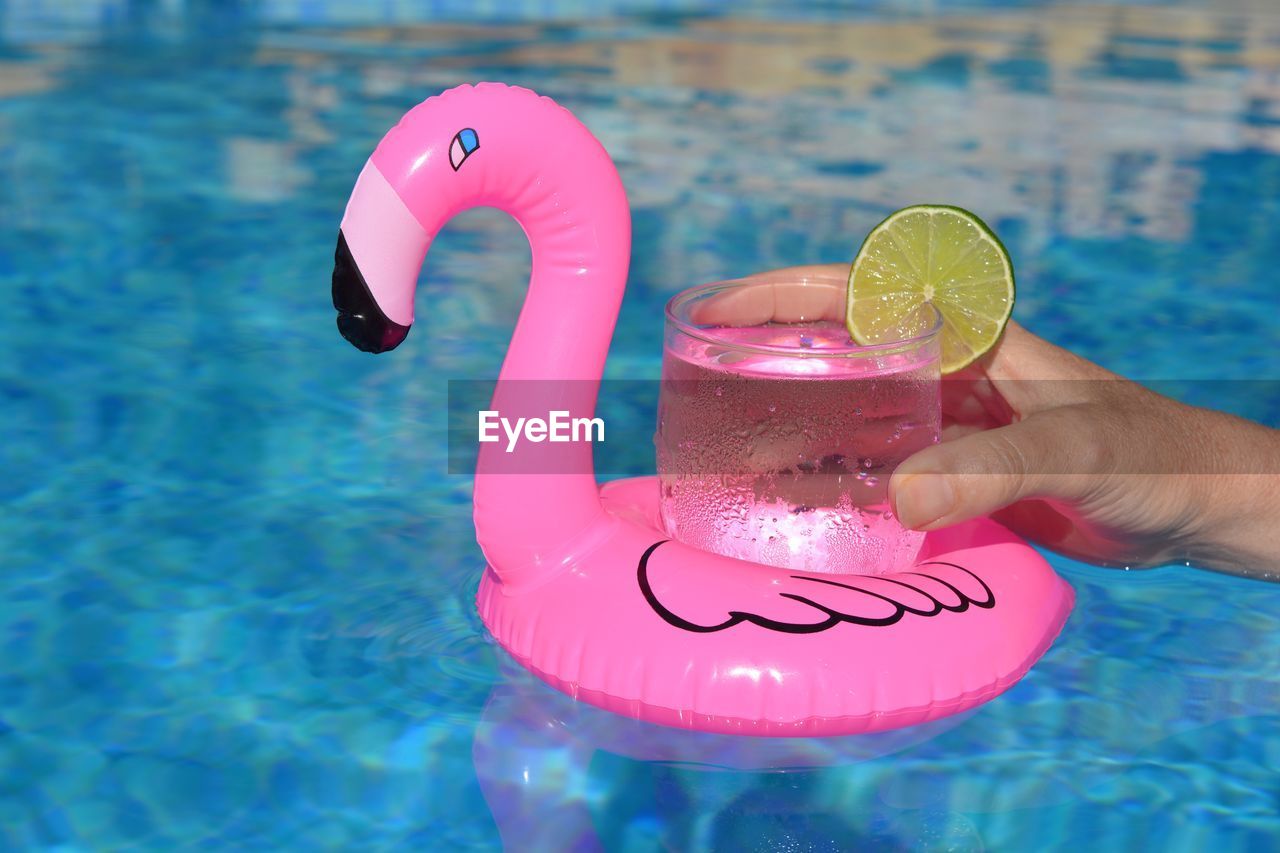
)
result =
(465, 142)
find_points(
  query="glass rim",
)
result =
(854, 350)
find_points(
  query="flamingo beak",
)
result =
(360, 320)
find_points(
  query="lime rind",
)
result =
(942, 255)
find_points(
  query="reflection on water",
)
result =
(236, 604)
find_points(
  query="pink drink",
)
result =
(776, 442)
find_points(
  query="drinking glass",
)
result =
(777, 434)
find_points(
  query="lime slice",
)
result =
(936, 254)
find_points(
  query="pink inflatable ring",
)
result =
(583, 587)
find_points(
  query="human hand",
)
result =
(1095, 466)
(1073, 456)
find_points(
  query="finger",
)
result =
(1020, 354)
(805, 272)
(952, 430)
(809, 296)
(1033, 375)
(971, 401)
(1045, 456)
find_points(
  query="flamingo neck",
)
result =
(534, 503)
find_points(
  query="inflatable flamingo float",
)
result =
(583, 587)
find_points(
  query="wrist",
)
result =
(1239, 500)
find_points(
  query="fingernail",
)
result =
(923, 499)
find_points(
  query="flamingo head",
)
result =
(412, 179)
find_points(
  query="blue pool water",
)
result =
(236, 598)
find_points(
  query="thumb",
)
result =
(1043, 456)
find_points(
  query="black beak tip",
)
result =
(360, 320)
(375, 336)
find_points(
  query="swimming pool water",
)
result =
(236, 598)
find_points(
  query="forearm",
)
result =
(1239, 531)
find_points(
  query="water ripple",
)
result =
(404, 650)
